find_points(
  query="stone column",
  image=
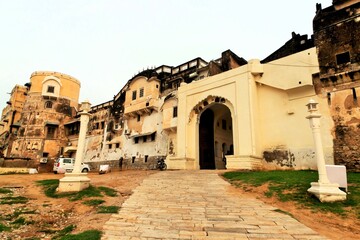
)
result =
(77, 181)
(323, 189)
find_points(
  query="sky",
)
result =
(104, 43)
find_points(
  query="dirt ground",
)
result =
(55, 214)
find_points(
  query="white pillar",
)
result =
(314, 120)
(323, 189)
(77, 181)
(84, 120)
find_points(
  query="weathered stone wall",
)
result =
(337, 38)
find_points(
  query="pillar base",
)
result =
(73, 182)
(180, 163)
(327, 192)
(245, 162)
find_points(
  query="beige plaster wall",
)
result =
(69, 86)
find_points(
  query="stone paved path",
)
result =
(198, 205)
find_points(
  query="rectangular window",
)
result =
(342, 58)
(133, 159)
(144, 138)
(102, 125)
(175, 112)
(146, 158)
(223, 124)
(133, 95)
(138, 118)
(51, 131)
(136, 140)
(141, 93)
(117, 145)
(110, 146)
(50, 89)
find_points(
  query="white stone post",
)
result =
(323, 189)
(77, 181)
(84, 121)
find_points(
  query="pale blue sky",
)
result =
(103, 43)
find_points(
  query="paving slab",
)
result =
(198, 205)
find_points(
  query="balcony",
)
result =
(146, 106)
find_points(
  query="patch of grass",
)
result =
(19, 212)
(48, 231)
(60, 234)
(51, 185)
(88, 235)
(5, 191)
(293, 186)
(108, 209)
(91, 191)
(108, 191)
(13, 200)
(93, 202)
(4, 228)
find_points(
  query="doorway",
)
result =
(206, 140)
(215, 136)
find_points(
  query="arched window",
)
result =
(48, 104)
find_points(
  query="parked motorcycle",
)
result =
(161, 164)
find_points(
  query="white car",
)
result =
(62, 165)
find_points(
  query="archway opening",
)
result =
(206, 140)
(215, 137)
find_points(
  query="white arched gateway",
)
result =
(254, 114)
(218, 121)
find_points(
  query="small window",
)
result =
(133, 159)
(117, 145)
(146, 158)
(157, 86)
(138, 118)
(144, 138)
(136, 140)
(102, 125)
(110, 146)
(133, 95)
(223, 124)
(50, 89)
(51, 131)
(342, 58)
(48, 104)
(175, 112)
(141, 93)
